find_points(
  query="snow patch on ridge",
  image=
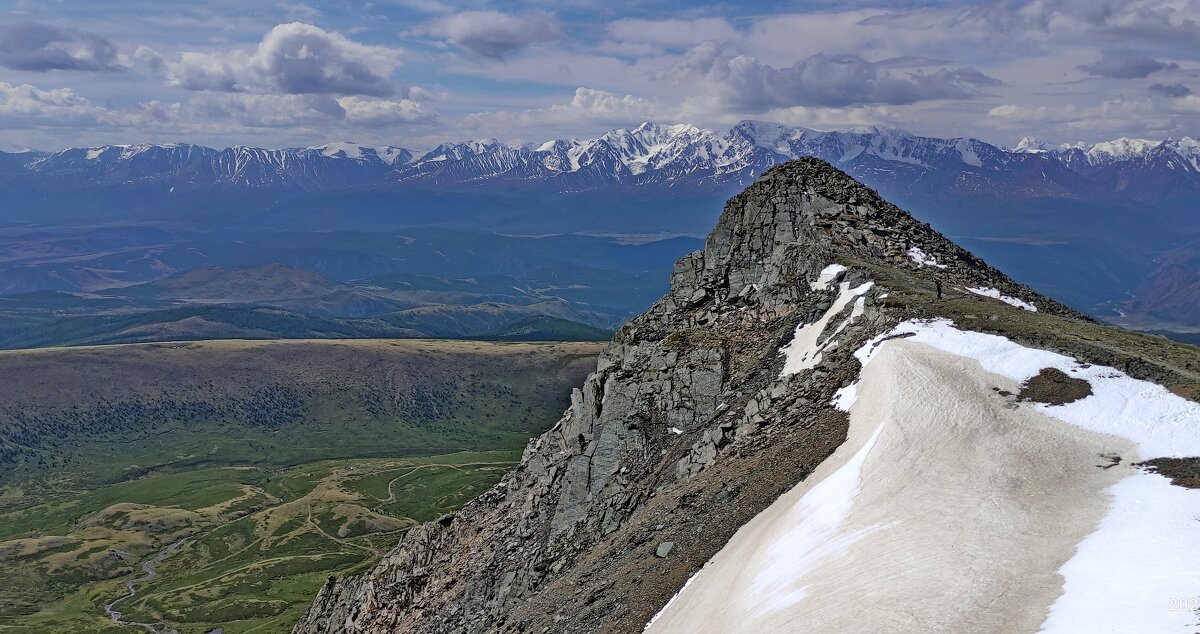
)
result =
(917, 255)
(909, 506)
(1160, 422)
(827, 275)
(967, 151)
(804, 351)
(845, 397)
(815, 537)
(1144, 553)
(1011, 301)
(1146, 550)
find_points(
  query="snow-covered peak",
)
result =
(341, 149)
(125, 152)
(768, 135)
(647, 127)
(880, 131)
(645, 147)
(1031, 145)
(553, 145)
(393, 155)
(1115, 150)
(1188, 148)
(461, 150)
(1184, 145)
(353, 151)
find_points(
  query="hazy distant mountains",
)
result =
(183, 165)
(1106, 227)
(651, 154)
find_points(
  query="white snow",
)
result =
(826, 276)
(966, 150)
(815, 536)
(1145, 553)
(917, 255)
(354, 151)
(944, 510)
(1011, 301)
(952, 508)
(845, 397)
(392, 155)
(1031, 145)
(677, 431)
(1187, 148)
(1160, 422)
(351, 150)
(1146, 550)
(804, 351)
(1115, 150)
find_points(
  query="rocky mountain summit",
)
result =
(697, 419)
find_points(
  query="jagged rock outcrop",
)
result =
(685, 431)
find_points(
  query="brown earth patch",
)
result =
(1189, 391)
(1053, 387)
(1184, 472)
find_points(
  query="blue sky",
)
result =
(418, 72)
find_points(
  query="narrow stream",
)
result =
(148, 573)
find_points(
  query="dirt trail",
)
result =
(949, 508)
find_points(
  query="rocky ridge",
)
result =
(685, 431)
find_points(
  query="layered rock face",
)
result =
(688, 427)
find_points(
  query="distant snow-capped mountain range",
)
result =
(901, 163)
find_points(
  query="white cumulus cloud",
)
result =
(292, 59)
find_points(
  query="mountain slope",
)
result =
(731, 391)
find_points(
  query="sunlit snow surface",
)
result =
(815, 536)
(1119, 570)
(805, 349)
(827, 275)
(1161, 423)
(922, 259)
(1011, 301)
(1146, 550)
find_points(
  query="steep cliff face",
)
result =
(694, 420)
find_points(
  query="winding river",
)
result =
(148, 573)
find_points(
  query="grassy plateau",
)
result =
(226, 480)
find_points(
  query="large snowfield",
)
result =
(952, 507)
